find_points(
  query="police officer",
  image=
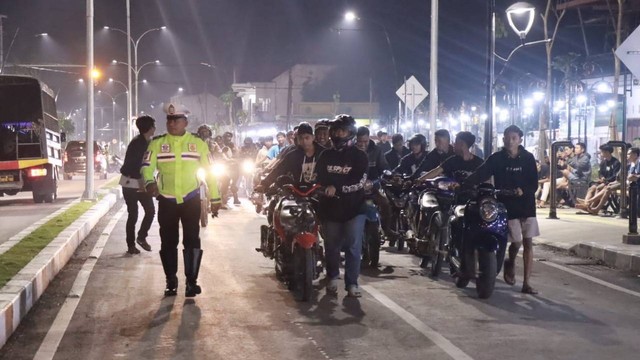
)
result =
(177, 156)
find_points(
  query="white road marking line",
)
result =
(591, 278)
(50, 344)
(435, 337)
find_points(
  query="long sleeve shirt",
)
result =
(511, 173)
(609, 170)
(177, 160)
(345, 170)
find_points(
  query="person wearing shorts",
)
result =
(514, 168)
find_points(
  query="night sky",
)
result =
(259, 39)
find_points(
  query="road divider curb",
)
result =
(622, 257)
(19, 295)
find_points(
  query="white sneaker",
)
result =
(354, 291)
(332, 286)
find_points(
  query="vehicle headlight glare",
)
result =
(428, 201)
(248, 166)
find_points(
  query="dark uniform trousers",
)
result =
(170, 215)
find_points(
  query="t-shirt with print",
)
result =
(458, 169)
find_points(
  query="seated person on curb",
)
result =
(578, 171)
(514, 168)
(608, 183)
(544, 182)
(462, 164)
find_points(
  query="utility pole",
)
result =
(130, 95)
(433, 83)
(89, 193)
(2, 17)
(289, 98)
(491, 61)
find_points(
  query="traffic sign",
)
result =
(412, 93)
(629, 52)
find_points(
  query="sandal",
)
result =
(527, 289)
(509, 272)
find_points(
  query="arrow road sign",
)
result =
(412, 93)
(629, 52)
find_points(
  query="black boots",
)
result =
(170, 264)
(192, 259)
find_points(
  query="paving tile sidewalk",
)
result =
(589, 236)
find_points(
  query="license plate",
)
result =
(6, 178)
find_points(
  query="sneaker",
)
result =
(144, 244)
(332, 286)
(133, 250)
(354, 291)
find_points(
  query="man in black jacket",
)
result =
(300, 162)
(412, 162)
(397, 152)
(514, 168)
(133, 186)
(441, 152)
(343, 171)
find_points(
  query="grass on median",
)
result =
(16, 258)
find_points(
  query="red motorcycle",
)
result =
(291, 238)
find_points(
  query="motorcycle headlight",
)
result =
(428, 201)
(219, 169)
(248, 166)
(488, 210)
(459, 211)
(201, 174)
(446, 185)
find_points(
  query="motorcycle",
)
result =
(292, 239)
(248, 169)
(432, 222)
(115, 164)
(478, 239)
(396, 189)
(372, 239)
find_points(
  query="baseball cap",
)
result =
(172, 109)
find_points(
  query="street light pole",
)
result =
(491, 66)
(89, 189)
(129, 104)
(433, 83)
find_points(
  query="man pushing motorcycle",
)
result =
(514, 168)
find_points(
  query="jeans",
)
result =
(347, 235)
(132, 197)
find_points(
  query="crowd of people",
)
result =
(343, 158)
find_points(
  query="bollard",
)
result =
(632, 237)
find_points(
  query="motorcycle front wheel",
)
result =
(303, 267)
(487, 268)
(372, 236)
(439, 238)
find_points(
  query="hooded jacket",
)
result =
(393, 157)
(377, 162)
(511, 173)
(346, 170)
(580, 167)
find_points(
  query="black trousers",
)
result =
(131, 198)
(170, 215)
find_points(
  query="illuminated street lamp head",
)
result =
(96, 74)
(157, 62)
(163, 27)
(80, 80)
(144, 81)
(350, 16)
(180, 89)
(106, 27)
(520, 16)
(114, 61)
(110, 79)
(42, 34)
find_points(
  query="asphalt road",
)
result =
(19, 211)
(244, 313)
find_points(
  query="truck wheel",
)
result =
(37, 198)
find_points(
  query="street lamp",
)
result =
(516, 13)
(133, 68)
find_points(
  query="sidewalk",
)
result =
(25, 288)
(589, 236)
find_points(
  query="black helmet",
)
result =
(418, 139)
(248, 141)
(345, 122)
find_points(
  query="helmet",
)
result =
(227, 135)
(322, 124)
(203, 128)
(419, 139)
(176, 110)
(248, 141)
(345, 122)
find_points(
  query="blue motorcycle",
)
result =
(478, 240)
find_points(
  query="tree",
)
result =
(568, 65)
(66, 124)
(543, 142)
